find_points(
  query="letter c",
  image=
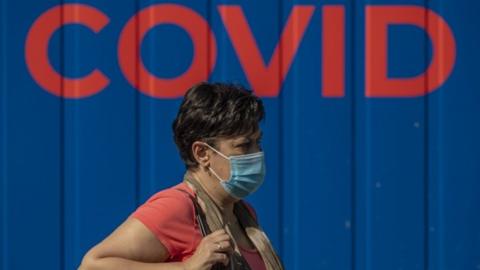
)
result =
(36, 50)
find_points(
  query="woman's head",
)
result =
(224, 116)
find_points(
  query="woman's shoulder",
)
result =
(179, 191)
(168, 206)
(169, 214)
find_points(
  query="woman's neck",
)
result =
(215, 191)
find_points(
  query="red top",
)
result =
(170, 215)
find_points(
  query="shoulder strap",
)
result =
(236, 260)
(199, 215)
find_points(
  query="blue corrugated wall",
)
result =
(353, 182)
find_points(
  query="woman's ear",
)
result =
(200, 154)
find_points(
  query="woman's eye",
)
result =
(249, 145)
(243, 146)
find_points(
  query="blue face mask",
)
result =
(247, 173)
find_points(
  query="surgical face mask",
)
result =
(247, 173)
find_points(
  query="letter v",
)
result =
(265, 80)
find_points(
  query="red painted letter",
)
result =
(443, 58)
(129, 50)
(265, 80)
(36, 50)
(333, 51)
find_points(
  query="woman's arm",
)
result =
(134, 246)
(130, 246)
(120, 264)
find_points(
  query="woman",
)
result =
(201, 223)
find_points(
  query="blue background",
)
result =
(352, 183)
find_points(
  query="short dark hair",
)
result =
(212, 110)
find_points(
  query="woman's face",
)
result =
(239, 145)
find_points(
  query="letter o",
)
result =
(130, 41)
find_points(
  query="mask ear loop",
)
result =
(216, 175)
(210, 168)
(218, 152)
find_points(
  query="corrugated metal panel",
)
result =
(32, 213)
(354, 182)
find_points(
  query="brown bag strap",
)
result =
(199, 215)
(202, 222)
(247, 221)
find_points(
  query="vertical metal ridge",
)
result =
(209, 42)
(441, 256)
(366, 136)
(3, 163)
(281, 180)
(294, 159)
(352, 88)
(368, 157)
(426, 185)
(137, 112)
(62, 145)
